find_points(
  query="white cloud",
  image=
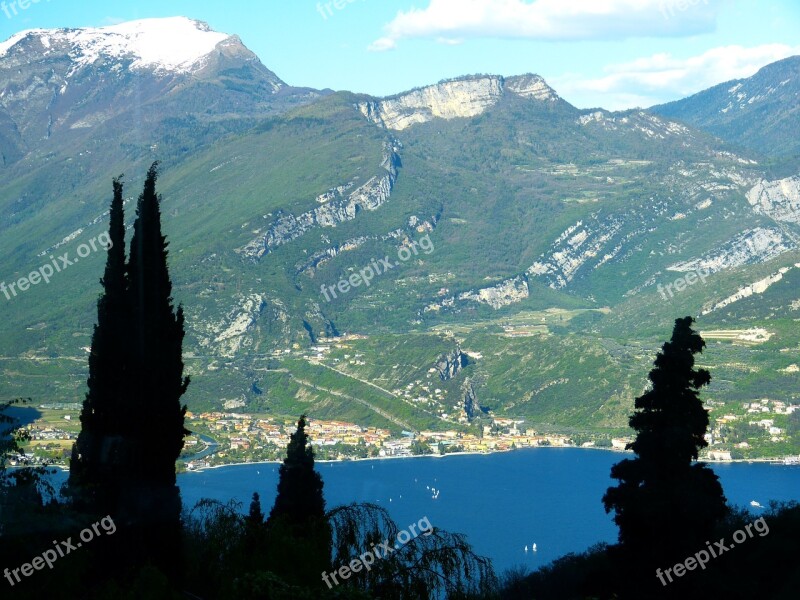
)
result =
(662, 77)
(550, 20)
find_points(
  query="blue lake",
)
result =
(502, 502)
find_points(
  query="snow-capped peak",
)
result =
(174, 44)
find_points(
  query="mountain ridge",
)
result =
(747, 112)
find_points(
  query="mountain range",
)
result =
(563, 242)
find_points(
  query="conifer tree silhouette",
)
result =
(298, 529)
(132, 419)
(665, 504)
(94, 463)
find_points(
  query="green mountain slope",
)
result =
(551, 246)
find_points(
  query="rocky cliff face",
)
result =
(451, 364)
(754, 246)
(337, 206)
(457, 98)
(779, 200)
(235, 331)
(759, 287)
(504, 293)
(471, 406)
(606, 237)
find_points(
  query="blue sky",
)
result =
(610, 53)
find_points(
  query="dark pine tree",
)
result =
(299, 535)
(94, 466)
(666, 505)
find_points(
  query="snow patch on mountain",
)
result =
(742, 98)
(175, 44)
(18, 37)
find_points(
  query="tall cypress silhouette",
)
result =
(299, 485)
(665, 504)
(154, 424)
(298, 530)
(157, 383)
(94, 457)
(132, 419)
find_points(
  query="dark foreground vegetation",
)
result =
(118, 529)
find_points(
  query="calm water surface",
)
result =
(502, 502)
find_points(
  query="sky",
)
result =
(613, 54)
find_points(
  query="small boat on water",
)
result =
(756, 504)
(534, 547)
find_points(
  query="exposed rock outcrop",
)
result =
(228, 337)
(335, 207)
(759, 287)
(452, 99)
(450, 365)
(471, 406)
(504, 293)
(319, 258)
(636, 121)
(749, 247)
(779, 200)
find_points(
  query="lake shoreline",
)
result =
(777, 461)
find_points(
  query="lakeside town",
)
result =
(742, 431)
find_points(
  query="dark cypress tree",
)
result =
(153, 427)
(665, 504)
(157, 383)
(299, 534)
(299, 485)
(133, 420)
(254, 537)
(255, 518)
(92, 468)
